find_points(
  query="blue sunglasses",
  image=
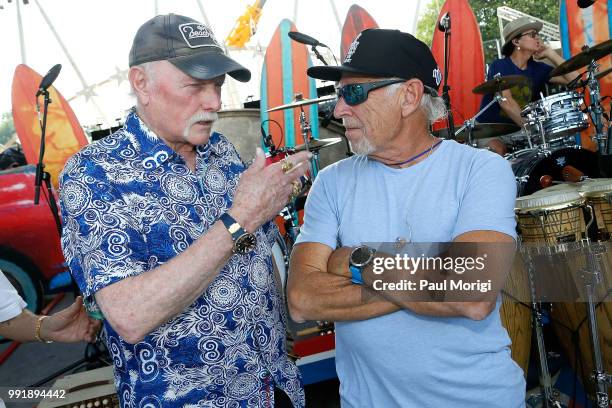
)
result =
(357, 93)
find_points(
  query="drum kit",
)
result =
(563, 209)
(289, 214)
(564, 215)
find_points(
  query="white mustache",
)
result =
(202, 117)
(348, 124)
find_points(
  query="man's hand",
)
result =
(70, 325)
(338, 262)
(263, 190)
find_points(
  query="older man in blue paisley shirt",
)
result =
(169, 236)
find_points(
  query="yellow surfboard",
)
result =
(64, 135)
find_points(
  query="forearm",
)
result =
(513, 110)
(315, 293)
(21, 328)
(137, 305)
(325, 296)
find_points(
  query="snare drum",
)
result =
(598, 193)
(560, 115)
(530, 165)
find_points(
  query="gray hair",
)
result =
(149, 70)
(433, 107)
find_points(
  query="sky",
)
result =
(98, 37)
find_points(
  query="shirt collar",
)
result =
(153, 151)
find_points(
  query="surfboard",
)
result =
(64, 135)
(357, 19)
(589, 26)
(466, 60)
(284, 76)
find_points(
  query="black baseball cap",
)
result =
(386, 53)
(189, 45)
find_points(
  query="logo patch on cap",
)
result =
(198, 35)
(351, 50)
(437, 75)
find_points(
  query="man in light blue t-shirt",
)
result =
(403, 185)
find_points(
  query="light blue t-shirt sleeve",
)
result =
(320, 215)
(489, 197)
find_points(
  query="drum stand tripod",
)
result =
(471, 122)
(591, 277)
(550, 394)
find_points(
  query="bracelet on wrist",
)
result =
(37, 330)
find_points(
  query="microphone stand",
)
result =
(41, 174)
(446, 88)
(313, 48)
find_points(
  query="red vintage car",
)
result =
(30, 252)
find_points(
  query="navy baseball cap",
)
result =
(189, 45)
(386, 53)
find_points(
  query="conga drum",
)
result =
(546, 217)
(598, 193)
(570, 318)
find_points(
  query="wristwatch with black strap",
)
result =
(361, 256)
(244, 242)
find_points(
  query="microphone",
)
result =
(49, 79)
(267, 139)
(445, 22)
(305, 39)
(585, 3)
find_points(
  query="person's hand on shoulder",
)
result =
(70, 325)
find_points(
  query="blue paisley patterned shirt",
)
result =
(129, 204)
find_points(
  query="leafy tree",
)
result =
(486, 15)
(7, 128)
(428, 20)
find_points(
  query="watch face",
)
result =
(361, 256)
(245, 243)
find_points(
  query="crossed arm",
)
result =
(320, 288)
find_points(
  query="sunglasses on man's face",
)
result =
(357, 93)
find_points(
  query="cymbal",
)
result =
(499, 84)
(318, 144)
(482, 131)
(584, 58)
(303, 102)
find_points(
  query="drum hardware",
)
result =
(557, 202)
(318, 144)
(591, 277)
(472, 130)
(305, 128)
(299, 102)
(444, 25)
(588, 58)
(551, 219)
(530, 166)
(550, 394)
(555, 117)
(499, 83)
(583, 58)
(479, 130)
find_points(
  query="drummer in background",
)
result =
(522, 43)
